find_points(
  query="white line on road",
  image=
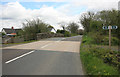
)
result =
(58, 41)
(61, 40)
(19, 57)
(51, 43)
(46, 45)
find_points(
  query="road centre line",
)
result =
(24, 55)
(61, 40)
(51, 43)
(28, 53)
(46, 45)
(19, 57)
(58, 41)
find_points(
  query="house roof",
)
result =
(9, 30)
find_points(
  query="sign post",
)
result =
(110, 28)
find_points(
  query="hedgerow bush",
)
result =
(108, 56)
(100, 39)
(95, 66)
(67, 34)
(114, 41)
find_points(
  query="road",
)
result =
(53, 56)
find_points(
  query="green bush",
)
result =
(114, 41)
(67, 34)
(97, 38)
(96, 66)
(112, 59)
(86, 39)
(97, 60)
(98, 51)
(108, 56)
(3, 34)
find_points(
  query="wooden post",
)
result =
(110, 37)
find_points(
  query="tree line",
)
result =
(94, 21)
(32, 27)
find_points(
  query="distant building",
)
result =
(10, 31)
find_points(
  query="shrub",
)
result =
(97, 59)
(67, 34)
(108, 56)
(3, 34)
(95, 66)
(87, 39)
(114, 41)
(97, 38)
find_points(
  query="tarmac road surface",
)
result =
(53, 56)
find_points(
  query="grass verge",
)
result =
(96, 66)
(92, 63)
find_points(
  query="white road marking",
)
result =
(51, 43)
(29, 52)
(60, 40)
(63, 38)
(46, 45)
(19, 57)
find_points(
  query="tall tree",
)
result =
(32, 27)
(51, 27)
(86, 19)
(63, 25)
(73, 27)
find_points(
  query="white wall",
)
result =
(3, 31)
